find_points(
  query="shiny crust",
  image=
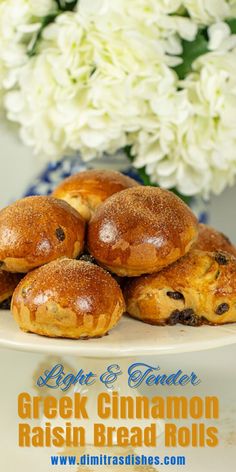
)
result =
(8, 283)
(86, 190)
(68, 298)
(37, 230)
(209, 239)
(141, 230)
(204, 283)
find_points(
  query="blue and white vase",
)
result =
(55, 172)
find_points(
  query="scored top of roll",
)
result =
(36, 230)
(85, 191)
(141, 230)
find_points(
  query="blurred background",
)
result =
(18, 166)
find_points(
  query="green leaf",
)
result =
(66, 5)
(191, 51)
(127, 151)
(47, 20)
(232, 25)
(63, 6)
(194, 49)
(144, 177)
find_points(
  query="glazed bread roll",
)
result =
(86, 190)
(198, 289)
(68, 298)
(37, 230)
(141, 230)
(8, 283)
(209, 239)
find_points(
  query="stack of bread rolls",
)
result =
(68, 257)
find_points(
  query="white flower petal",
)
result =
(218, 32)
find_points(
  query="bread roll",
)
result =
(198, 289)
(141, 230)
(37, 230)
(68, 298)
(86, 190)
(209, 239)
(8, 283)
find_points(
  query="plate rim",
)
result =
(93, 348)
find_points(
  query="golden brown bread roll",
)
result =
(141, 230)
(209, 239)
(86, 190)
(8, 283)
(68, 298)
(37, 230)
(198, 289)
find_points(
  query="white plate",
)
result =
(130, 338)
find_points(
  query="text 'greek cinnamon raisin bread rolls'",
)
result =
(141, 230)
(68, 298)
(198, 289)
(37, 230)
(209, 239)
(86, 190)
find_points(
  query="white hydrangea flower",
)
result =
(139, 8)
(18, 22)
(40, 8)
(205, 12)
(220, 37)
(196, 153)
(102, 79)
(160, 19)
(89, 89)
(232, 6)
